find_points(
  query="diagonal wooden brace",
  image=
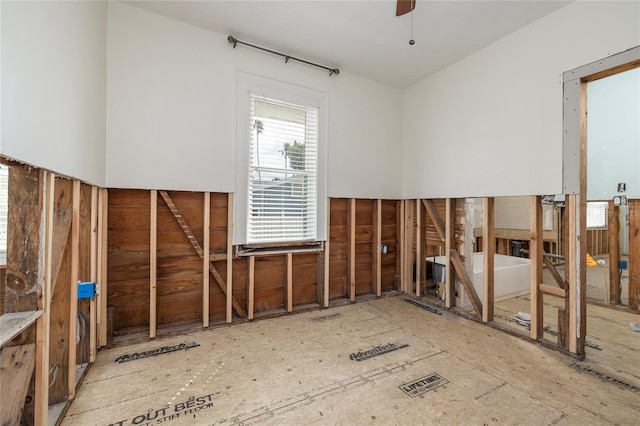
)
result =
(196, 245)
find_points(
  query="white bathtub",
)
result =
(511, 275)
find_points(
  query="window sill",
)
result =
(278, 249)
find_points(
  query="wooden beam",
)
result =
(554, 273)
(43, 335)
(93, 318)
(402, 245)
(153, 266)
(327, 253)
(613, 225)
(488, 249)
(419, 254)
(351, 255)
(75, 265)
(634, 254)
(17, 364)
(548, 289)
(289, 291)
(435, 218)
(103, 229)
(229, 289)
(409, 253)
(399, 239)
(251, 286)
(466, 282)
(536, 256)
(571, 265)
(376, 243)
(205, 259)
(517, 234)
(450, 278)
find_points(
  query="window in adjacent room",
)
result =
(597, 214)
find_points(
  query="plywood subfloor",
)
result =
(299, 370)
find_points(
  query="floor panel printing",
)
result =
(380, 362)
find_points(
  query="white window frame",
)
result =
(287, 92)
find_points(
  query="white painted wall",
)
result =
(491, 124)
(171, 111)
(613, 136)
(54, 86)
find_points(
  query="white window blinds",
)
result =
(283, 163)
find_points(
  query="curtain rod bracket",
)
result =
(235, 41)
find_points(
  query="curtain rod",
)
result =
(286, 57)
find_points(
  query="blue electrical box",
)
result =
(86, 290)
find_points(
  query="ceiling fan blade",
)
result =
(405, 6)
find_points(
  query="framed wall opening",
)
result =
(575, 169)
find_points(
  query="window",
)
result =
(283, 146)
(597, 214)
(281, 163)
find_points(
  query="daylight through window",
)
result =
(283, 162)
(597, 214)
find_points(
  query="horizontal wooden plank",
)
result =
(554, 291)
(517, 234)
(12, 324)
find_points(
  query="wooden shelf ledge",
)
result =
(13, 324)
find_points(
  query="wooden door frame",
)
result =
(575, 177)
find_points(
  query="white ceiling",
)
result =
(363, 37)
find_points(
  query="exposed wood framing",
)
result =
(17, 364)
(351, 256)
(62, 283)
(205, 258)
(403, 250)
(153, 264)
(93, 319)
(571, 265)
(22, 278)
(327, 252)
(409, 252)
(614, 296)
(554, 273)
(103, 231)
(554, 291)
(229, 290)
(289, 288)
(376, 246)
(466, 282)
(251, 260)
(41, 408)
(225, 287)
(634, 254)
(419, 252)
(73, 311)
(399, 239)
(450, 299)
(536, 257)
(488, 249)
(435, 218)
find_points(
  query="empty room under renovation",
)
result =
(391, 212)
